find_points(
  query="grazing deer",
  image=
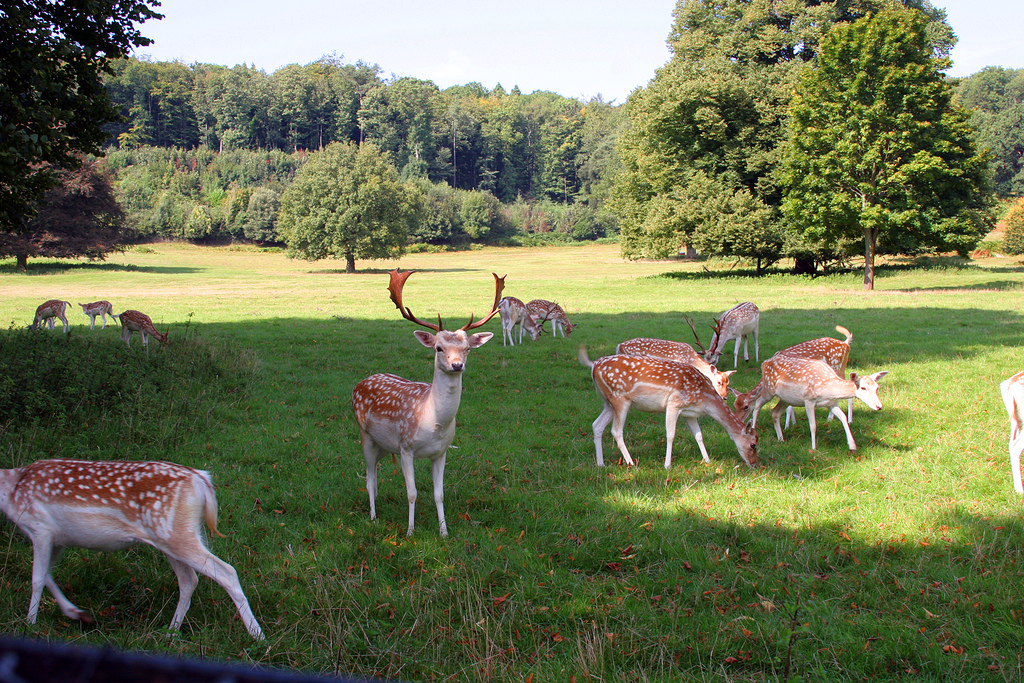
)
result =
(835, 352)
(656, 385)
(514, 312)
(134, 321)
(1012, 391)
(738, 323)
(54, 308)
(677, 351)
(811, 383)
(98, 308)
(415, 419)
(111, 505)
(543, 311)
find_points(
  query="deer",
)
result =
(811, 383)
(134, 321)
(835, 352)
(1012, 391)
(514, 312)
(110, 505)
(656, 385)
(677, 351)
(48, 310)
(98, 308)
(739, 322)
(416, 420)
(543, 310)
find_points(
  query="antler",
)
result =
(397, 283)
(499, 287)
(696, 337)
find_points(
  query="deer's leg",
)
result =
(790, 416)
(198, 557)
(599, 425)
(849, 411)
(736, 353)
(187, 582)
(372, 453)
(437, 472)
(757, 347)
(1016, 446)
(777, 415)
(64, 321)
(841, 416)
(695, 430)
(409, 473)
(618, 424)
(812, 422)
(44, 553)
(671, 417)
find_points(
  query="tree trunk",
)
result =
(804, 265)
(22, 263)
(350, 263)
(870, 238)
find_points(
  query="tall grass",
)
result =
(900, 560)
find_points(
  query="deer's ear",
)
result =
(479, 339)
(425, 338)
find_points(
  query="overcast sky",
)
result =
(576, 48)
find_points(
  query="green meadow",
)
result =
(904, 559)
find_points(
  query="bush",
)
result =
(1013, 240)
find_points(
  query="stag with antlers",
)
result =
(738, 323)
(416, 420)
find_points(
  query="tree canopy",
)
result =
(347, 202)
(877, 152)
(53, 103)
(995, 97)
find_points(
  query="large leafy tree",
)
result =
(877, 153)
(80, 216)
(53, 104)
(347, 202)
(995, 97)
(715, 117)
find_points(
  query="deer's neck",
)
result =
(445, 394)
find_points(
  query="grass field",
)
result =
(902, 560)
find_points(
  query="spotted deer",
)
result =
(134, 321)
(110, 505)
(656, 385)
(739, 323)
(677, 351)
(811, 383)
(1012, 391)
(514, 312)
(415, 419)
(543, 311)
(98, 308)
(835, 352)
(50, 310)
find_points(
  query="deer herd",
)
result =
(108, 505)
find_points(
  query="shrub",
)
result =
(1013, 240)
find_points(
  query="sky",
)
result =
(576, 48)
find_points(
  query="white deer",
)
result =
(739, 322)
(810, 383)
(110, 505)
(414, 419)
(50, 310)
(514, 312)
(98, 308)
(656, 385)
(1012, 391)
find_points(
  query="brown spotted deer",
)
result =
(98, 308)
(677, 351)
(414, 419)
(656, 385)
(48, 311)
(738, 323)
(811, 383)
(111, 505)
(835, 352)
(1012, 391)
(514, 312)
(543, 311)
(134, 321)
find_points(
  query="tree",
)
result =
(877, 153)
(78, 217)
(53, 104)
(1013, 239)
(346, 202)
(995, 97)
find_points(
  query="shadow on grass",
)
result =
(61, 267)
